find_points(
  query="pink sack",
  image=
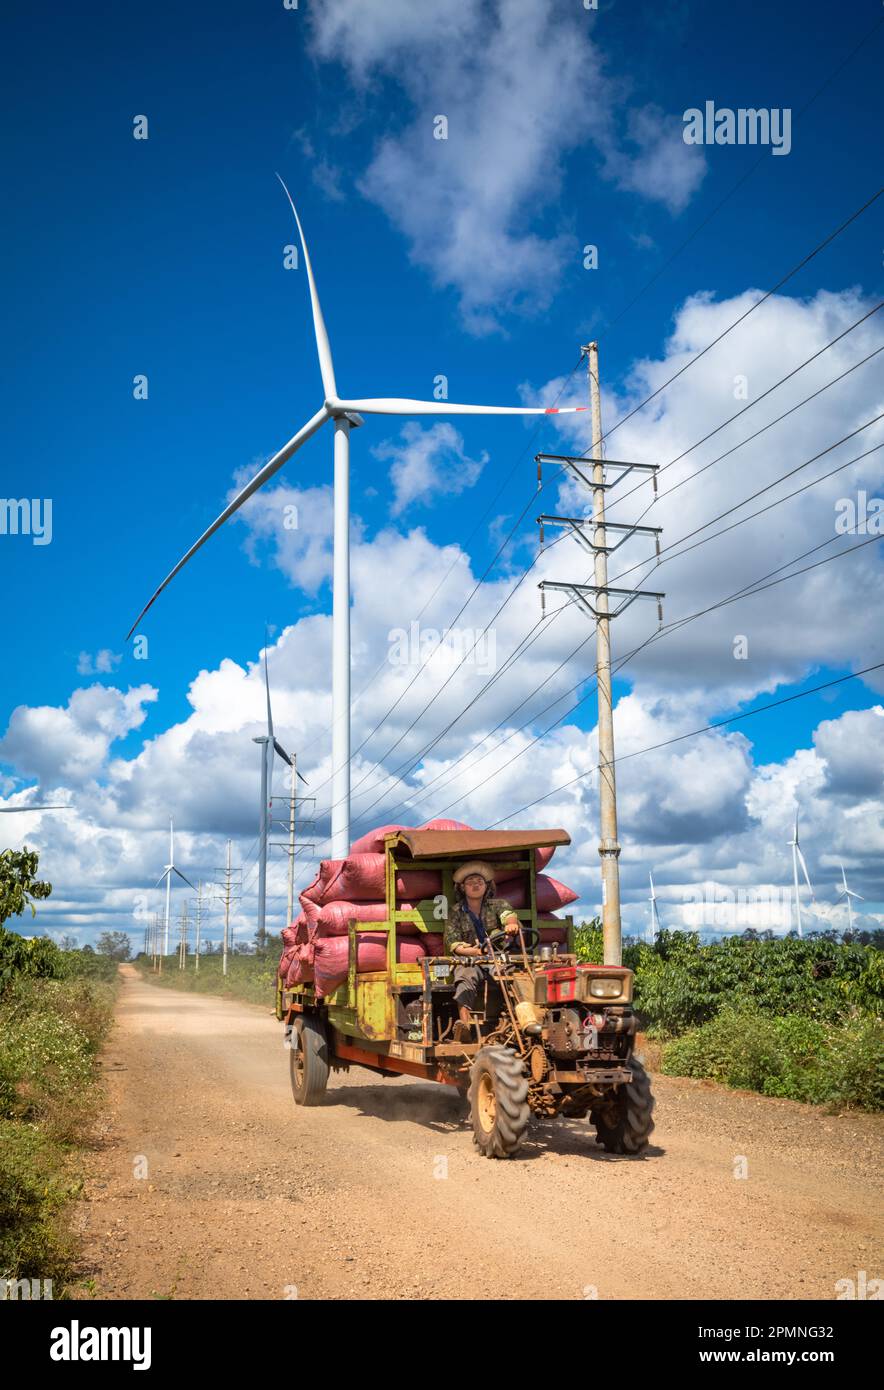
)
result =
(331, 956)
(550, 893)
(372, 842)
(333, 919)
(361, 879)
(301, 969)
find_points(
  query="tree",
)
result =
(115, 944)
(19, 885)
(69, 943)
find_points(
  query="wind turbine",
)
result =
(167, 875)
(345, 414)
(796, 857)
(269, 745)
(848, 893)
(655, 916)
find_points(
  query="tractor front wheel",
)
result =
(308, 1060)
(624, 1123)
(498, 1101)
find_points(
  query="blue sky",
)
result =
(165, 257)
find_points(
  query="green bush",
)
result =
(36, 957)
(35, 1187)
(792, 1056)
(50, 1033)
(680, 983)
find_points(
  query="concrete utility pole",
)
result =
(294, 800)
(264, 831)
(599, 608)
(226, 942)
(609, 846)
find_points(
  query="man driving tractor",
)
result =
(477, 912)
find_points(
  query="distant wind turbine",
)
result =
(269, 745)
(345, 414)
(798, 857)
(848, 893)
(167, 875)
(655, 916)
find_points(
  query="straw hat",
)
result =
(475, 866)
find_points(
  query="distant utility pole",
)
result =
(182, 945)
(599, 607)
(294, 801)
(199, 923)
(226, 898)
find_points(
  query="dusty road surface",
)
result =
(211, 1184)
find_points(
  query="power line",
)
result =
(679, 738)
(747, 591)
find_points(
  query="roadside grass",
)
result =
(51, 1031)
(250, 978)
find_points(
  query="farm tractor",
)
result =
(550, 1036)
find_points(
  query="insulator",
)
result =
(660, 612)
(654, 477)
(657, 544)
(541, 533)
(539, 475)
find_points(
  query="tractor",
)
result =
(551, 1036)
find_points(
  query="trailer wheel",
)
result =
(498, 1101)
(624, 1124)
(308, 1060)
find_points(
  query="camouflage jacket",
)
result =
(459, 924)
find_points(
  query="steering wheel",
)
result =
(503, 940)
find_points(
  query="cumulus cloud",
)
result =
(426, 462)
(467, 203)
(71, 745)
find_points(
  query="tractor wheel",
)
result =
(624, 1125)
(498, 1101)
(308, 1060)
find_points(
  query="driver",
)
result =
(477, 912)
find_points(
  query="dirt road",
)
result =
(211, 1184)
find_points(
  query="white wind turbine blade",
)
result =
(803, 864)
(181, 876)
(323, 346)
(10, 810)
(261, 477)
(396, 405)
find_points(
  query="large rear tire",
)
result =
(308, 1060)
(498, 1101)
(624, 1124)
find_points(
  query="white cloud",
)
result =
(103, 663)
(427, 462)
(467, 203)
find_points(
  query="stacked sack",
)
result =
(316, 946)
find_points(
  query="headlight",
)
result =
(606, 989)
